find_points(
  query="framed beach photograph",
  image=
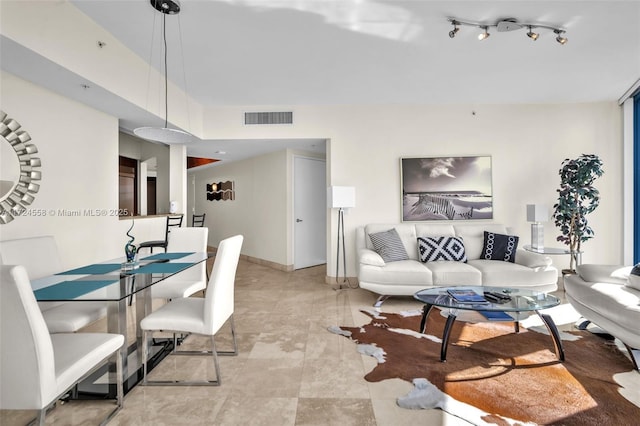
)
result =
(446, 188)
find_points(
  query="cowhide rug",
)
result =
(511, 378)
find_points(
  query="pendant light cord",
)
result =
(166, 90)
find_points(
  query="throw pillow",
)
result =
(441, 248)
(634, 277)
(499, 247)
(389, 245)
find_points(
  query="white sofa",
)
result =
(602, 295)
(405, 277)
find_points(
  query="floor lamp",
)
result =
(341, 198)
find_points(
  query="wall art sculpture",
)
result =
(446, 188)
(220, 191)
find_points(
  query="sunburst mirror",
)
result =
(19, 169)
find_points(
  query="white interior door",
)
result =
(309, 212)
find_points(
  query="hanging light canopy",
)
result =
(508, 24)
(165, 134)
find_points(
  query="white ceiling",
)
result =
(324, 52)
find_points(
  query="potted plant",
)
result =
(577, 197)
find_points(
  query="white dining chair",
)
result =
(41, 258)
(191, 280)
(37, 368)
(196, 315)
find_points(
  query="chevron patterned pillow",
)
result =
(441, 248)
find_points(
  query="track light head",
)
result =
(455, 29)
(485, 34)
(560, 39)
(533, 36)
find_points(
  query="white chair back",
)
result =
(27, 363)
(219, 299)
(189, 240)
(39, 255)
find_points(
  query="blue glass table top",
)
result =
(107, 282)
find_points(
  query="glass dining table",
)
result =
(109, 282)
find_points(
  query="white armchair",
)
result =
(604, 295)
(36, 367)
(40, 257)
(204, 316)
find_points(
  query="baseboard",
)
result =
(273, 265)
(268, 263)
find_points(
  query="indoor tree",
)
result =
(577, 197)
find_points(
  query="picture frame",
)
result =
(446, 188)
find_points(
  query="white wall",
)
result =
(259, 210)
(79, 150)
(527, 143)
(78, 147)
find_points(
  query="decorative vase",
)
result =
(131, 252)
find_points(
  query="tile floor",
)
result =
(290, 370)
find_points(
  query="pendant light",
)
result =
(165, 134)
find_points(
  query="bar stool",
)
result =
(172, 220)
(197, 221)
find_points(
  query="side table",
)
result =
(556, 251)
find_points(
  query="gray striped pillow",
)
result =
(389, 245)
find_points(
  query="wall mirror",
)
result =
(19, 169)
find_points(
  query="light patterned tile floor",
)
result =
(290, 370)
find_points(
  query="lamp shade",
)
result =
(537, 213)
(341, 197)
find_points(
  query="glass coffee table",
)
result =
(494, 303)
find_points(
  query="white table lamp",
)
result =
(537, 213)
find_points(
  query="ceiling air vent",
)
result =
(284, 117)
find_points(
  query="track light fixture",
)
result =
(508, 24)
